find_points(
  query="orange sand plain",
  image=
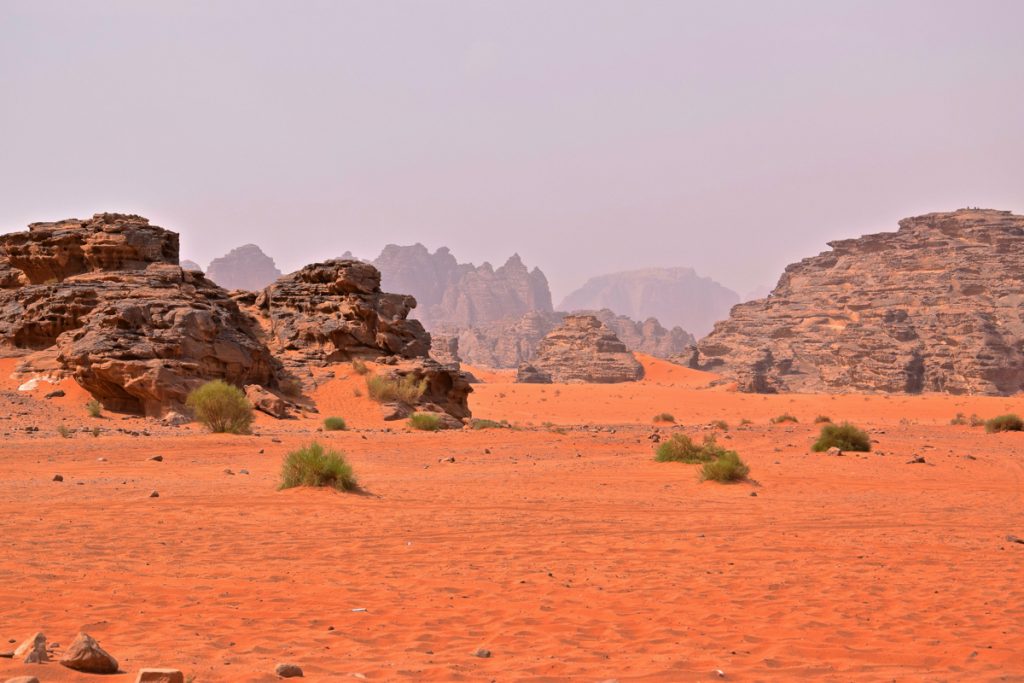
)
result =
(565, 550)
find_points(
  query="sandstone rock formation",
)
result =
(85, 654)
(335, 311)
(511, 342)
(450, 293)
(245, 267)
(935, 306)
(105, 301)
(582, 349)
(675, 296)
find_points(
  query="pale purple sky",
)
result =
(590, 136)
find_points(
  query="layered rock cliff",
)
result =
(245, 267)
(675, 296)
(450, 293)
(935, 306)
(581, 349)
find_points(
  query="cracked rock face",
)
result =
(582, 349)
(335, 311)
(935, 306)
(105, 299)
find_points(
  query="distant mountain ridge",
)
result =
(675, 296)
(245, 267)
(462, 294)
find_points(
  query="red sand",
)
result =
(570, 556)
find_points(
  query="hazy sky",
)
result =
(590, 136)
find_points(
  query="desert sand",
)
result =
(561, 546)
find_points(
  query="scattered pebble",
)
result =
(917, 459)
(157, 458)
(482, 653)
(154, 494)
(58, 477)
(228, 471)
(243, 471)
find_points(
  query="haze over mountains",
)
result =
(675, 296)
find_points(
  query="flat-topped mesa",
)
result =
(582, 349)
(335, 311)
(935, 306)
(52, 252)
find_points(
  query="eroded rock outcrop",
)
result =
(335, 311)
(103, 300)
(935, 306)
(245, 267)
(511, 342)
(461, 294)
(582, 349)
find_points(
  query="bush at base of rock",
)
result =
(388, 390)
(425, 422)
(313, 465)
(221, 407)
(681, 448)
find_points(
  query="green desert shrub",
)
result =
(960, 419)
(359, 367)
(312, 465)
(387, 390)
(664, 417)
(425, 422)
(976, 421)
(221, 407)
(94, 408)
(335, 424)
(845, 437)
(726, 467)
(64, 431)
(721, 424)
(1005, 423)
(821, 419)
(785, 417)
(488, 424)
(681, 448)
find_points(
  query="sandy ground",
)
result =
(561, 547)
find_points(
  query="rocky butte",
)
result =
(245, 267)
(103, 300)
(933, 307)
(582, 349)
(461, 294)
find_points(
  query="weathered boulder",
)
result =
(159, 676)
(267, 402)
(85, 654)
(245, 267)
(935, 306)
(105, 301)
(583, 349)
(33, 650)
(336, 311)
